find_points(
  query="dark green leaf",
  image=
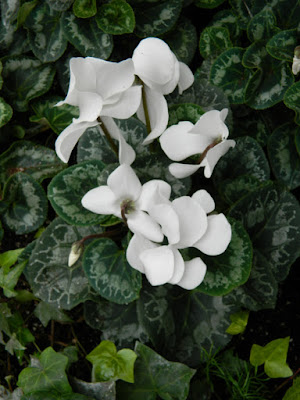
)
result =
(27, 201)
(292, 100)
(281, 45)
(243, 11)
(262, 26)
(46, 312)
(6, 111)
(208, 3)
(213, 41)
(47, 270)
(67, 188)
(109, 273)
(184, 112)
(155, 376)
(116, 18)
(24, 11)
(98, 390)
(9, 279)
(59, 5)
(232, 190)
(87, 37)
(227, 19)
(84, 8)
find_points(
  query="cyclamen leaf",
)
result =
(59, 5)
(27, 201)
(213, 41)
(155, 376)
(6, 111)
(47, 372)
(87, 37)
(227, 19)
(24, 10)
(97, 390)
(23, 156)
(84, 8)
(262, 26)
(25, 79)
(184, 112)
(45, 33)
(281, 45)
(116, 17)
(232, 190)
(292, 100)
(208, 3)
(109, 273)
(273, 356)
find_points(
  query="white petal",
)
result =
(112, 77)
(153, 61)
(136, 246)
(124, 183)
(178, 143)
(158, 264)
(140, 222)
(213, 156)
(82, 79)
(217, 236)
(205, 200)
(158, 114)
(296, 65)
(183, 170)
(90, 106)
(223, 114)
(101, 200)
(171, 85)
(178, 267)
(192, 221)
(211, 127)
(186, 78)
(126, 105)
(68, 138)
(154, 192)
(194, 273)
(165, 215)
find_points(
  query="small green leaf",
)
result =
(281, 45)
(84, 8)
(213, 41)
(292, 100)
(208, 3)
(25, 79)
(9, 258)
(67, 188)
(97, 390)
(239, 322)
(293, 393)
(37, 161)
(156, 19)
(227, 19)
(184, 112)
(46, 312)
(229, 74)
(243, 10)
(86, 36)
(6, 111)
(27, 201)
(116, 18)
(109, 273)
(262, 26)
(9, 279)
(155, 376)
(24, 10)
(273, 356)
(283, 155)
(108, 364)
(47, 372)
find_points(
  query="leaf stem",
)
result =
(287, 381)
(145, 107)
(210, 146)
(108, 137)
(99, 235)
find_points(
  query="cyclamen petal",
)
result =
(136, 246)
(179, 266)
(194, 273)
(211, 126)
(127, 104)
(90, 107)
(217, 236)
(165, 215)
(101, 200)
(158, 264)
(124, 183)
(213, 156)
(140, 222)
(181, 171)
(154, 192)
(186, 77)
(205, 200)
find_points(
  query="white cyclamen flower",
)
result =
(185, 224)
(157, 66)
(207, 137)
(296, 65)
(98, 88)
(126, 198)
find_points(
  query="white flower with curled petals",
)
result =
(98, 88)
(126, 198)
(296, 65)
(207, 137)
(157, 66)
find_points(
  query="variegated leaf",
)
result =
(6, 112)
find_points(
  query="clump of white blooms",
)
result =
(161, 227)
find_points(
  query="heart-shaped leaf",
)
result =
(116, 17)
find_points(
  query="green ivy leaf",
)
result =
(230, 269)
(262, 26)
(281, 45)
(108, 364)
(25, 79)
(116, 18)
(86, 36)
(109, 273)
(208, 3)
(9, 279)
(9, 258)
(184, 112)
(213, 41)
(28, 207)
(283, 155)
(239, 322)
(35, 160)
(229, 74)
(67, 188)
(292, 100)
(156, 19)
(47, 270)
(183, 40)
(155, 376)
(24, 11)
(293, 392)
(6, 111)
(117, 322)
(53, 395)
(273, 356)
(46, 372)
(58, 118)
(45, 33)
(84, 8)
(46, 312)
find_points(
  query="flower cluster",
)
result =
(105, 90)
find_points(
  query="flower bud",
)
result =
(75, 253)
